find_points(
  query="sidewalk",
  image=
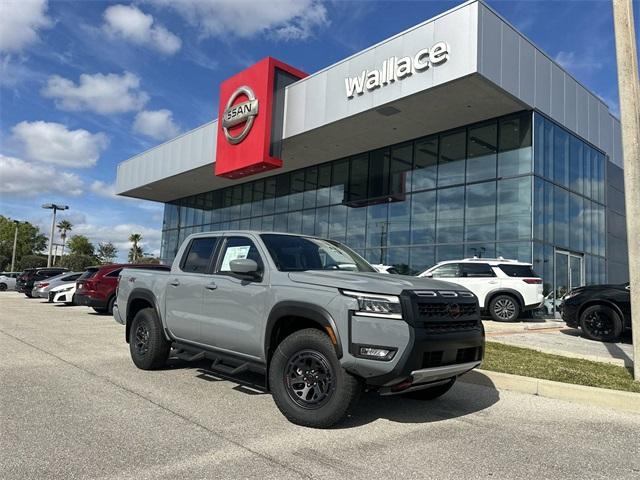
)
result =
(554, 337)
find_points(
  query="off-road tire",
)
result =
(601, 323)
(431, 393)
(3, 287)
(504, 308)
(341, 395)
(148, 346)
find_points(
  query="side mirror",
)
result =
(244, 266)
(428, 275)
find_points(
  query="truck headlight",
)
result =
(374, 305)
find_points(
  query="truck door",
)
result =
(234, 310)
(185, 289)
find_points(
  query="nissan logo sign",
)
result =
(241, 113)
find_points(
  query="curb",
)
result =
(619, 362)
(601, 397)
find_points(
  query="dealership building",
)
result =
(455, 138)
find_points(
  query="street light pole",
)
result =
(15, 244)
(629, 93)
(55, 208)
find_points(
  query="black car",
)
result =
(603, 312)
(24, 283)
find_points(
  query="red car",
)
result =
(97, 286)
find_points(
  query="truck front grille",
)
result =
(449, 326)
(446, 310)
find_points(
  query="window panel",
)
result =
(197, 259)
(423, 218)
(339, 179)
(482, 151)
(310, 187)
(520, 251)
(322, 222)
(399, 259)
(452, 158)
(538, 148)
(538, 209)
(514, 209)
(421, 258)
(576, 214)
(356, 224)
(399, 223)
(338, 222)
(450, 270)
(549, 131)
(294, 222)
(268, 204)
(480, 250)
(514, 145)
(575, 164)
(400, 169)
(323, 197)
(450, 220)
(561, 156)
(561, 216)
(282, 193)
(358, 178)
(297, 190)
(586, 162)
(308, 222)
(481, 212)
(377, 226)
(425, 164)
(378, 174)
(448, 252)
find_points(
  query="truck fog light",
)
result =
(377, 353)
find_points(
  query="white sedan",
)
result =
(63, 294)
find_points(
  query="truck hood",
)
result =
(371, 282)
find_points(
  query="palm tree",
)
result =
(64, 226)
(135, 238)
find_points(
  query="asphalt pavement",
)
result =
(72, 405)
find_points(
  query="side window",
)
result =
(197, 257)
(451, 270)
(477, 270)
(115, 273)
(238, 248)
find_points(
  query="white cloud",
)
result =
(131, 24)
(99, 93)
(157, 124)
(104, 189)
(20, 21)
(27, 179)
(578, 63)
(285, 19)
(118, 234)
(53, 143)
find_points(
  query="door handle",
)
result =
(175, 283)
(211, 286)
(493, 282)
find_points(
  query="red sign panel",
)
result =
(251, 107)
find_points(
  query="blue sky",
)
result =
(86, 85)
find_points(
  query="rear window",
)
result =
(88, 273)
(114, 273)
(518, 270)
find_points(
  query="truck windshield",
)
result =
(297, 254)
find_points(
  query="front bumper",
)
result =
(444, 339)
(569, 313)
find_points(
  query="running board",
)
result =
(218, 366)
(224, 363)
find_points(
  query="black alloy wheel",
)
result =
(600, 323)
(141, 339)
(309, 379)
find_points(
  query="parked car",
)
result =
(390, 269)
(602, 312)
(24, 283)
(63, 293)
(505, 288)
(8, 280)
(41, 288)
(96, 287)
(309, 314)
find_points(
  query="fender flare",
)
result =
(500, 291)
(141, 294)
(300, 309)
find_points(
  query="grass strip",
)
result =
(530, 363)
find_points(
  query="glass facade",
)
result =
(477, 190)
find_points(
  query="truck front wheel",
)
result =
(149, 348)
(308, 384)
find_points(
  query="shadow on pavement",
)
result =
(613, 348)
(463, 399)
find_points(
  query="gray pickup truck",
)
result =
(309, 314)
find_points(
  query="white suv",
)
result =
(504, 287)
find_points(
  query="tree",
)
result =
(64, 226)
(32, 261)
(107, 252)
(149, 260)
(136, 251)
(80, 245)
(77, 262)
(30, 241)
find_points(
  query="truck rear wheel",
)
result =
(308, 384)
(149, 348)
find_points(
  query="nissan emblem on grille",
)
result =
(241, 113)
(454, 310)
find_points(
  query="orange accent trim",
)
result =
(332, 335)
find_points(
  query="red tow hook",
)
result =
(402, 385)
